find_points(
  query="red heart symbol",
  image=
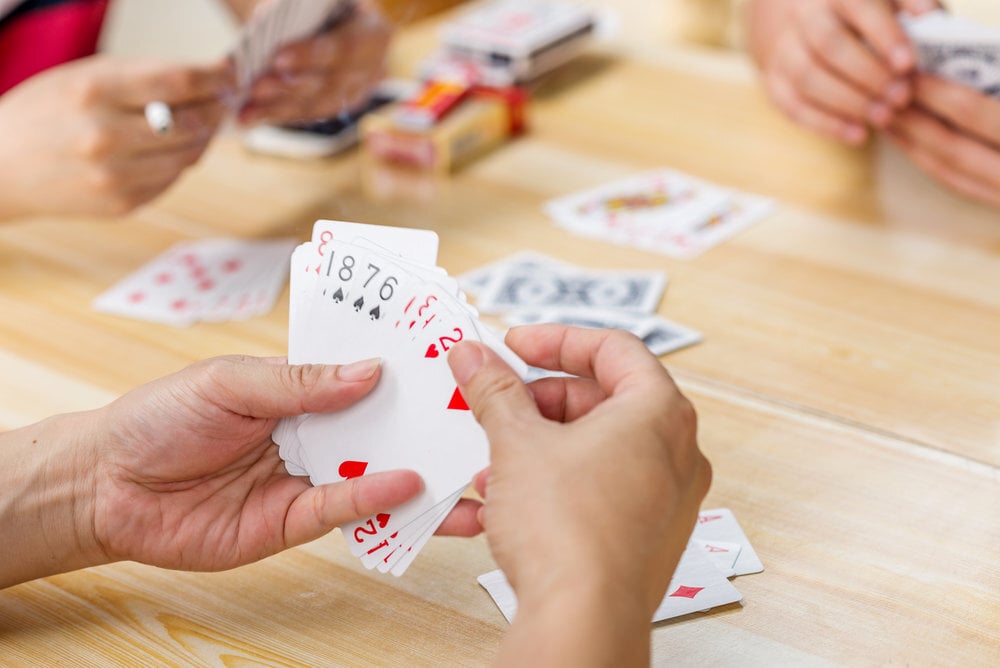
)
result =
(382, 519)
(432, 351)
(349, 469)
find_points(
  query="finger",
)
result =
(819, 87)
(876, 22)
(566, 399)
(490, 387)
(310, 54)
(480, 481)
(249, 386)
(463, 520)
(133, 85)
(918, 7)
(831, 42)
(964, 107)
(618, 360)
(810, 116)
(952, 158)
(319, 510)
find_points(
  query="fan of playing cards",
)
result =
(363, 291)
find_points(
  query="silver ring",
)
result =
(159, 117)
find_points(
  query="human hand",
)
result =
(836, 67)
(952, 132)
(185, 474)
(75, 138)
(320, 77)
(592, 480)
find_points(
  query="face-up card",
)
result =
(720, 525)
(697, 586)
(213, 279)
(641, 204)
(353, 298)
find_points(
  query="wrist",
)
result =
(47, 510)
(594, 619)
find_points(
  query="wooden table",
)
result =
(848, 387)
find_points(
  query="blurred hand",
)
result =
(76, 141)
(836, 67)
(953, 133)
(592, 479)
(320, 77)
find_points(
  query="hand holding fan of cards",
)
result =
(353, 298)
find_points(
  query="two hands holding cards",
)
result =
(592, 489)
(924, 78)
(77, 132)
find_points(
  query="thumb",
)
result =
(494, 392)
(264, 388)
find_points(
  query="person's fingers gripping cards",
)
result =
(956, 48)
(353, 298)
(718, 549)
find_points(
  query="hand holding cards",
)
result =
(956, 48)
(353, 298)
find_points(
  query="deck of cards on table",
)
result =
(363, 291)
(956, 48)
(718, 550)
(663, 211)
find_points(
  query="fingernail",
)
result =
(358, 371)
(465, 360)
(901, 58)
(898, 93)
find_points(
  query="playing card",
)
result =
(720, 524)
(357, 292)
(519, 286)
(273, 25)
(662, 211)
(213, 279)
(697, 585)
(956, 48)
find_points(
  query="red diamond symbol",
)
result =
(687, 592)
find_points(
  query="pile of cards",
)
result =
(212, 280)
(663, 211)
(364, 291)
(529, 288)
(956, 48)
(718, 550)
(275, 24)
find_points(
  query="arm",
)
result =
(182, 473)
(588, 544)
